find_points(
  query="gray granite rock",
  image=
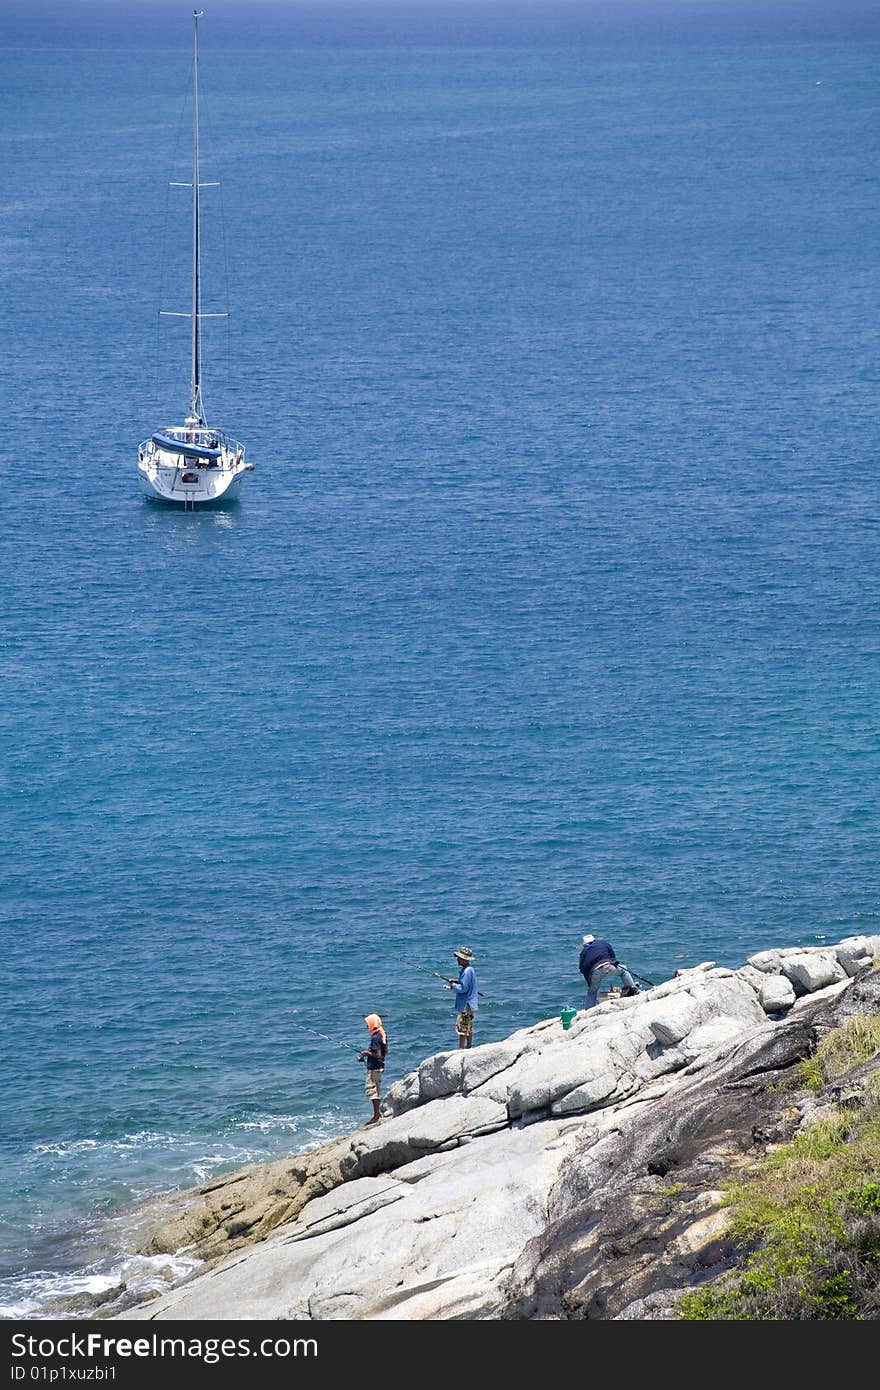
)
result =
(490, 1062)
(776, 993)
(854, 956)
(752, 976)
(809, 971)
(711, 1037)
(766, 961)
(543, 1077)
(808, 1003)
(401, 1095)
(675, 1020)
(440, 1075)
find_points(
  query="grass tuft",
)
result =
(857, 1041)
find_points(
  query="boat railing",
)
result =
(216, 439)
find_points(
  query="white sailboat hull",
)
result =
(169, 478)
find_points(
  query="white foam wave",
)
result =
(70, 1148)
(46, 1294)
(66, 1148)
(313, 1130)
(268, 1123)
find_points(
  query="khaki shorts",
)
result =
(464, 1023)
(373, 1084)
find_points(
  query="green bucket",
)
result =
(567, 1015)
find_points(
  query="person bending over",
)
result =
(598, 961)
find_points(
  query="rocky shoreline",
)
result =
(555, 1174)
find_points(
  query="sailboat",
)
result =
(193, 463)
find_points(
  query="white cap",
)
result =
(588, 939)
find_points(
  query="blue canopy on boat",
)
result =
(190, 451)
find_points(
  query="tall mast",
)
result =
(196, 409)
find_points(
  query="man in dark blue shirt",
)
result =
(374, 1056)
(598, 960)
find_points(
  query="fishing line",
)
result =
(318, 1034)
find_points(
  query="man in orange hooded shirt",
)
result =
(374, 1055)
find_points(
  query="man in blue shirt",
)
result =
(466, 995)
(597, 961)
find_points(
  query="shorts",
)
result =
(373, 1084)
(464, 1023)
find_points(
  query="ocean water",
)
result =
(551, 606)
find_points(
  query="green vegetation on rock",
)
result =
(810, 1214)
(844, 1048)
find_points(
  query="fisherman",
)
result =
(598, 960)
(466, 995)
(374, 1056)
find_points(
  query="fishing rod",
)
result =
(437, 976)
(650, 983)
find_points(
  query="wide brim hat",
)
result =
(465, 953)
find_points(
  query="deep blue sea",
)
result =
(553, 604)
